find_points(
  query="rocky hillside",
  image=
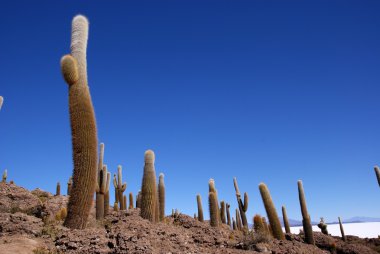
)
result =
(30, 222)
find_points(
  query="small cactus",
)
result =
(102, 187)
(223, 212)
(200, 208)
(243, 206)
(69, 186)
(116, 206)
(344, 238)
(228, 214)
(5, 175)
(258, 225)
(323, 226)
(271, 212)
(120, 187)
(130, 200)
(148, 188)
(125, 202)
(58, 189)
(306, 222)
(286, 221)
(377, 172)
(161, 196)
(213, 208)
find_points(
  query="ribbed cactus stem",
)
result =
(83, 127)
(228, 214)
(271, 212)
(377, 172)
(148, 188)
(242, 206)
(161, 196)
(286, 221)
(69, 186)
(58, 189)
(223, 212)
(5, 175)
(130, 200)
(306, 222)
(213, 208)
(344, 238)
(200, 208)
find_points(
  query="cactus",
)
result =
(377, 172)
(101, 189)
(161, 196)
(195, 216)
(228, 214)
(69, 186)
(234, 224)
(138, 200)
(1, 101)
(5, 175)
(238, 220)
(124, 202)
(286, 221)
(213, 208)
(306, 222)
(120, 187)
(200, 208)
(116, 206)
(242, 206)
(322, 225)
(83, 127)
(271, 212)
(130, 200)
(266, 227)
(107, 195)
(223, 212)
(344, 238)
(258, 225)
(148, 188)
(58, 189)
(211, 186)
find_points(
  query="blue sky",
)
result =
(271, 91)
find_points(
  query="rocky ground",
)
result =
(28, 224)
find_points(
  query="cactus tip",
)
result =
(149, 156)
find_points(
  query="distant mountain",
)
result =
(361, 219)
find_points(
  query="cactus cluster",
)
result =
(120, 187)
(243, 206)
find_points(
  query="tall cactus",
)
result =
(213, 208)
(286, 221)
(69, 186)
(344, 238)
(228, 214)
(223, 212)
(243, 206)
(271, 212)
(83, 127)
(148, 188)
(130, 200)
(211, 188)
(200, 208)
(306, 222)
(58, 189)
(377, 172)
(5, 175)
(161, 196)
(120, 187)
(101, 189)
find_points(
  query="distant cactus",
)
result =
(234, 227)
(223, 212)
(377, 172)
(1, 101)
(344, 238)
(271, 212)
(101, 189)
(238, 220)
(286, 221)
(83, 127)
(266, 226)
(242, 206)
(69, 186)
(228, 214)
(258, 225)
(211, 187)
(130, 200)
(120, 187)
(5, 175)
(116, 206)
(138, 200)
(306, 222)
(161, 196)
(195, 216)
(200, 208)
(323, 226)
(107, 194)
(148, 188)
(11, 182)
(124, 202)
(58, 189)
(213, 208)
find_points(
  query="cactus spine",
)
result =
(58, 189)
(228, 214)
(5, 175)
(344, 238)
(271, 212)
(148, 188)
(83, 126)
(213, 207)
(243, 206)
(223, 212)
(69, 186)
(286, 221)
(120, 187)
(200, 208)
(161, 196)
(306, 222)
(377, 172)
(101, 190)
(130, 200)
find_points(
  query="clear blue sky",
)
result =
(271, 91)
